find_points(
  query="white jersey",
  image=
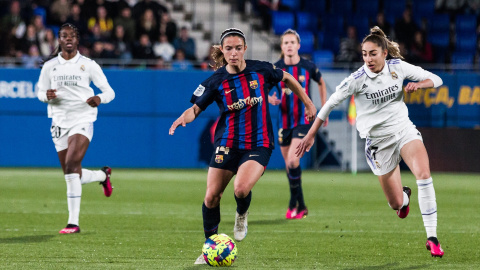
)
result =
(72, 78)
(379, 97)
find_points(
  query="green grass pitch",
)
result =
(153, 221)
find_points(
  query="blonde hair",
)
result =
(289, 31)
(217, 55)
(378, 37)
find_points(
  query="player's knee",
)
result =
(241, 192)
(423, 175)
(212, 201)
(72, 167)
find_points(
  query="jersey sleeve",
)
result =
(204, 95)
(416, 73)
(316, 75)
(43, 84)
(275, 75)
(100, 81)
(345, 89)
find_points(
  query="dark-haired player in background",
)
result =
(244, 135)
(64, 84)
(293, 125)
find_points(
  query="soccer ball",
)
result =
(219, 250)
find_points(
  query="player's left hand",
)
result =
(179, 122)
(412, 87)
(94, 101)
(310, 112)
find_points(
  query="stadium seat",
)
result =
(462, 58)
(466, 42)
(323, 58)
(343, 8)
(465, 23)
(424, 9)
(361, 23)
(333, 23)
(368, 8)
(317, 7)
(306, 21)
(440, 39)
(439, 23)
(291, 4)
(394, 9)
(281, 21)
(307, 42)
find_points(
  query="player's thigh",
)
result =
(217, 181)
(415, 155)
(248, 175)
(79, 137)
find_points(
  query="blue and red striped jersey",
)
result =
(292, 110)
(243, 102)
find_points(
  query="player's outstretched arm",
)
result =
(292, 84)
(307, 142)
(187, 117)
(322, 88)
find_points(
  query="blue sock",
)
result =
(211, 219)
(243, 203)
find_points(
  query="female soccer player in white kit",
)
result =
(382, 119)
(64, 84)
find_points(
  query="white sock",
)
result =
(89, 176)
(428, 206)
(74, 195)
(406, 201)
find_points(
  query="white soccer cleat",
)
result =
(200, 260)
(241, 226)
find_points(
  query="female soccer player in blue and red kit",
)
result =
(293, 125)
(244, 135)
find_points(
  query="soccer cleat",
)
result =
(241, 226)
(302, 214)
(291, 213)
(70, 229)
(434, 246)
(200, 260)
(107, 185)
(403, 212)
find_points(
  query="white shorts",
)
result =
(383, 154)
(60, 135)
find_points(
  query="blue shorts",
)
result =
(230, 159)
(285, 136)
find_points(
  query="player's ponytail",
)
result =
(217, 54)
(378, 37)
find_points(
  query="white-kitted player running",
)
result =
(382, 119)
(64, 84)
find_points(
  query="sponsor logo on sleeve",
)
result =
(199, 91)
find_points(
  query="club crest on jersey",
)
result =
(394, 75)
(218, 158)
(254, 84)
(82, 68)
(301, 78)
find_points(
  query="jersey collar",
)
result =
(73, 60)
(372, 75)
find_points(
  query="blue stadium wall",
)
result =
(132, 131)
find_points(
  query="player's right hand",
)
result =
(178, 122)
(51, 94)
(304, 146)
(273, 99)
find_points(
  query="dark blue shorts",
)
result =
(230, 159)
(285, 136)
